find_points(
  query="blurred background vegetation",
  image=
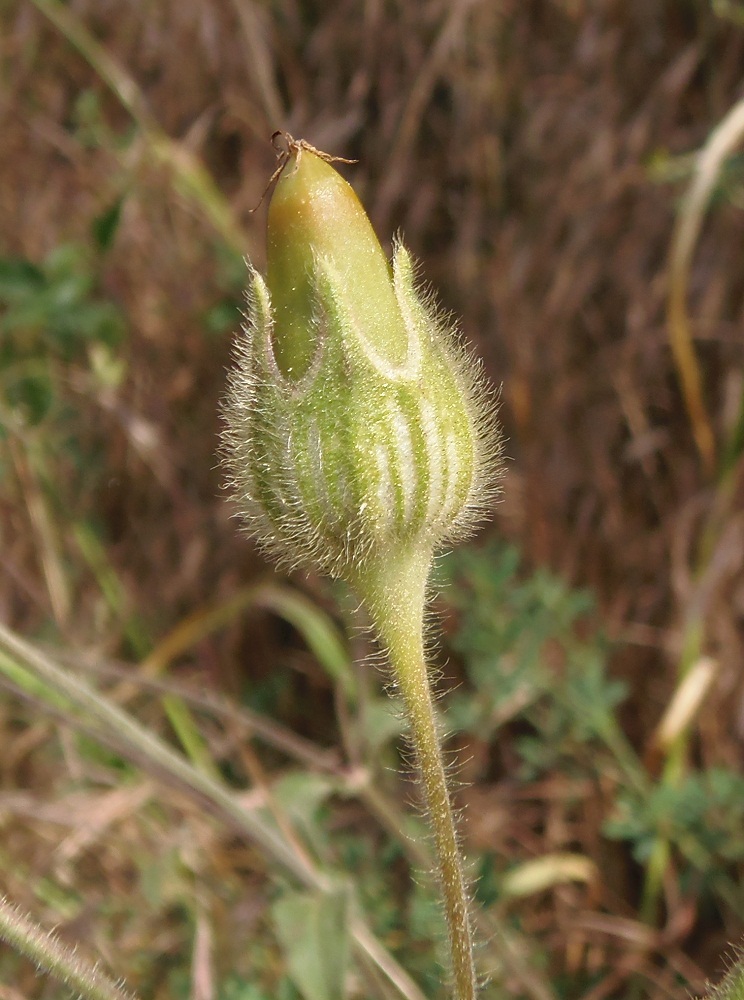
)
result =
(536, 155)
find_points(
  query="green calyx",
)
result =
(359, 431)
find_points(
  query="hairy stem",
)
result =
(62, 962)
(397, 604)
(410, 672)
(732, 986)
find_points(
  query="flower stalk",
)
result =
(397, 606)
(361, 439)
(64, 963)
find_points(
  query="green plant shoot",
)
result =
(360, 439)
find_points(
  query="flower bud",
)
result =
(358, 427)
(315, 214)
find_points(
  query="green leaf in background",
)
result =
(313, 932)
(528, 655)
(54, 308)
(222, 317)
(703, 815)
(301, 794)
(236, 989)
(18, 279)
(319, 632)
(382, 721)
(30, 395)
(104, 226)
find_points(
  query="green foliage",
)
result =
(239, 989)
(57, 299)
(220, 318)
(50, 314)
(702, 816)
(92, 127)
(313, 930)
(105, 225)
(526, 658)
(535, 660)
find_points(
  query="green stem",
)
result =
(671, 777)
(396, 600)
(62, 962)
(410, 670)
(732, 986)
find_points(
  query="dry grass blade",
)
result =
(259, 62)
(190, 177)
(722, 141)
(144, 744)
(269, 732)
(449, 35)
